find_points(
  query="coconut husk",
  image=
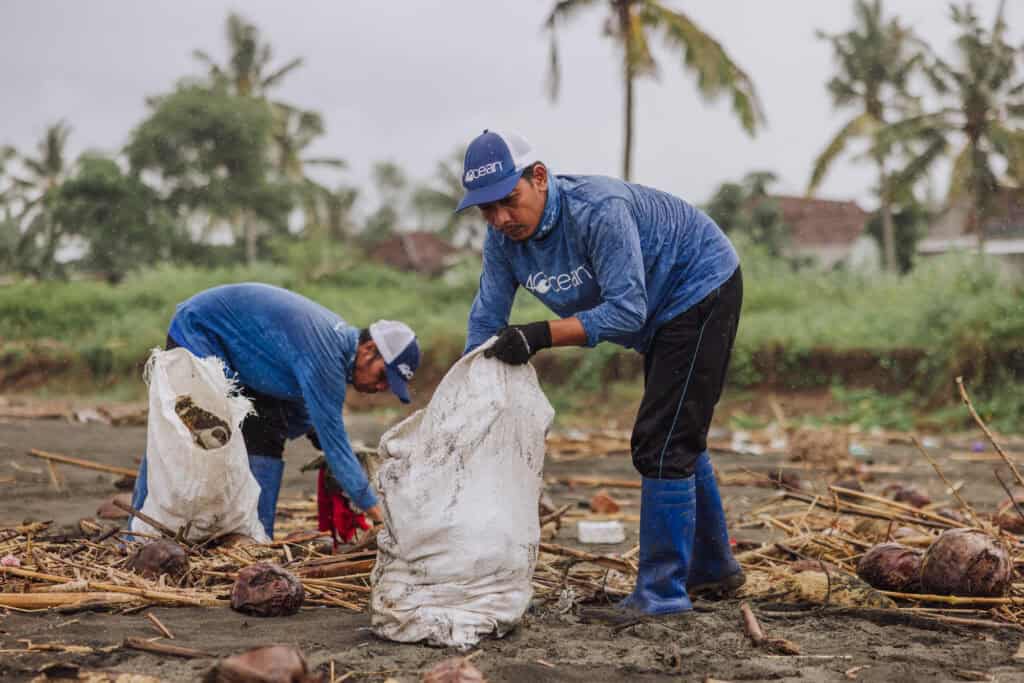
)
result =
(603, 503)
(266, 590)
(159, 557)
(891, 567)
(966, 562)
(271, 664)
(454, 670)
(107, 509)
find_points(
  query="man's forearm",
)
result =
(567, 332)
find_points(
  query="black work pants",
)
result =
(684, 371)
(266, 430)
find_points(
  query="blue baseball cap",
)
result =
(493, 165)
(401, 352)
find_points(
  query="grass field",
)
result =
(880, 341)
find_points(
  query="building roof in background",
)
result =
(420, 252)
(1006, 221)
(821, 222)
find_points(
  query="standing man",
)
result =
(293, 358)
(641, 268)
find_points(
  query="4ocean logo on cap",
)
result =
(481, 171)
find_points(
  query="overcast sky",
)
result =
(408, 81)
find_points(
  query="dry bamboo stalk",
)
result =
(953, 599)
(326, 571)
(164, 648)
(47, 600)
(866, 511)
(157, 596)
(984, 428)
(85, 464)
(166, 531)
(602, 560)
(899, 506)
(159, 626)
(956, 494)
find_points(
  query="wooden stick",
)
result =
(599, 481)
(86, 464)
(1013, 499)
(157, 596)
(977, 418)
(953, 599)
(164, 648)
(326, 571)
(54, 477)
(602, 560)
(753, 628)
(893, 504)
(556, 514)
(47, 600)
(166, 531)
(865, 511)
(159, 625)
(956, 494)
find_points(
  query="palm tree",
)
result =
(42, 175)
(245, 73)
(438, 200)
(294, 130)
(984, 105)
(876, 60)
(631, 24)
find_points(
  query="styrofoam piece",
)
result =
(611, 531)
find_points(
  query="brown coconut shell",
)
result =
(891, 567)
(966, 562)
(454, 670)
(159, 557)
(1007, 518)
(271, 664)
(266, 590)
(908, 495)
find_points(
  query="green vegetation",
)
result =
(800, 329)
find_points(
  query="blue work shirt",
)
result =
(284, 345)
(623, 258)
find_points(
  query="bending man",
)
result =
(293, 359)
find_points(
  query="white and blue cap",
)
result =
(494, 162)
(401, 352)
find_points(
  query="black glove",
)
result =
(516, 343)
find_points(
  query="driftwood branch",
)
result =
(164, 648)
(85, 464)
(602, 560)
(756, 633)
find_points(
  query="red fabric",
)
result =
(334, 514)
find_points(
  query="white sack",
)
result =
(460, 482)
(212, 489)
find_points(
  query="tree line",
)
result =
(220, 171)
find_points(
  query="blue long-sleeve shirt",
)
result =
(623, 258)
(286, 346)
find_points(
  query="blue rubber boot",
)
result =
(268, 472)
(667, 517)
(140, 491)
(714, 569)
